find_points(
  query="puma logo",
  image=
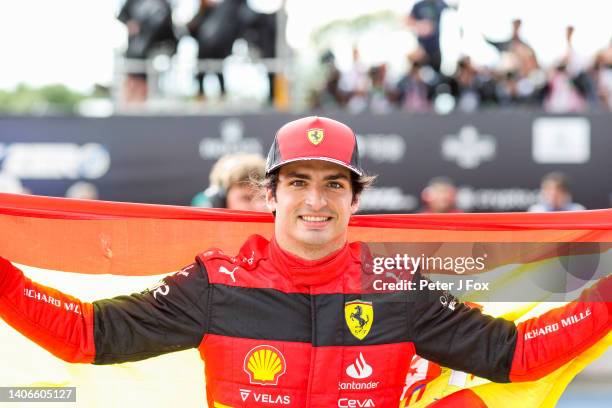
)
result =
(224, 270)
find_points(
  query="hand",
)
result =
(424, 28)
(604, 289)
(133, 28)
(5, 268)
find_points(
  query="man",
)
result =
(555, 195)
(150, 32)
(231, 184)
(289, 321)
(519, 54)
(602, 75)
(440, 196)
(424, 19)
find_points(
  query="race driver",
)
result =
(290, 322)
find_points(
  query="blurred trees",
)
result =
(49, 99)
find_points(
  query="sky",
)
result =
(59, 41)
(74, 41)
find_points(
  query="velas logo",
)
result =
(264, 365)
(359, 316)
(244, 394)
(315, 136)
(264, 397)
(359, 369)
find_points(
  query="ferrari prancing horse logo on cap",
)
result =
(315, 136)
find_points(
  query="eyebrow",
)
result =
(337, 176)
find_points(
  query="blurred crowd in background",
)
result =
(571, 84)
(215, 27)
(194, 56)
(234, 183)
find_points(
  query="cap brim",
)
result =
(327, 159)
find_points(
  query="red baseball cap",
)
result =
(315, 138)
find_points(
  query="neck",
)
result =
(309, 252)
(309, 272)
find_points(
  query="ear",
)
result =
(270, 200)
(355, 204)
(426, 195)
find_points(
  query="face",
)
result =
(553, 194)
(441, 198)
(313, 204)
(243, 197)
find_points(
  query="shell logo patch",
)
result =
(264, 365)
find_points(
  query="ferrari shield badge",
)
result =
(359, 316)
(315, 136)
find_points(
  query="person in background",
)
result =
(521, 81)
(602, 72)
(472, 86)
(328, 94)
(411, 92)
(424, 20)
(355, 84)
(440, 196)
(380, 93)
(150, 32)
(516, 52)
(231, 187)
(580, 69)
(561, 94)
(555, 195)
(568, 88)
(83, 190)
(213, 41)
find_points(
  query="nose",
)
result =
(315, 198)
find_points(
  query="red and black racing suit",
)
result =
(277, 330)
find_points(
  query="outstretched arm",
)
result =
(547, 342)
(456, 336)
(167, 318)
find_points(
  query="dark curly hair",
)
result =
(358, 183)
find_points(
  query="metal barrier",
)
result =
(166, 77)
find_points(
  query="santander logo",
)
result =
(359, 369)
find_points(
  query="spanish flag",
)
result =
(94, 249)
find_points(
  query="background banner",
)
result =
(166, 160)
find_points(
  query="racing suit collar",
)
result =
(306, 272)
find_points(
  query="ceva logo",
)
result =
(355, 403)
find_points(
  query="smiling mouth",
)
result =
(311, 218)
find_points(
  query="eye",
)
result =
(335, 184)
(297, 183)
